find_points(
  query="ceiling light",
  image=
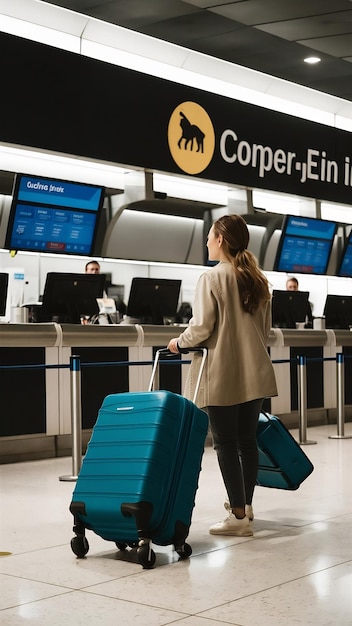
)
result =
(312, 60)
(35, 162)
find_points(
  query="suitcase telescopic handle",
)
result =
(166, 352)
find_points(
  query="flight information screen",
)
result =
(49, 215)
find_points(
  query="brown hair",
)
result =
(292, 279)
(92, 262)
(252, 284)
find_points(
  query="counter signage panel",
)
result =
(50, 215)
(305, 245)
(230, 141)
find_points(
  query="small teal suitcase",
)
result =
(282, 462)
(140, 473)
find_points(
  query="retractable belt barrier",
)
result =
(75, 367)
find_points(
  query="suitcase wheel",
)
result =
(146, 556)
(80, 546)
(184, 552)
(122, 546)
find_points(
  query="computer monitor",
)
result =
(152, 300)
(305, 245)
(117, 293)
(4, 282)
(338, 311)
(67, 296)
(289, 307)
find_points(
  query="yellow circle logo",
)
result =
(191, 137)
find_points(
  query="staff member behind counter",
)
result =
(93, 267)
(292, 284)
(291, 308)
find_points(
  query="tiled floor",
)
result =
(297, 569)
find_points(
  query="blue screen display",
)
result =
(53, 216)
(345, 268)
(305, 245)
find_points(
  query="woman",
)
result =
(232, 318)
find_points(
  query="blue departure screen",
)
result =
(305, 245)
(309, 227)
(53, 216)
(59, 193)
(345, 268)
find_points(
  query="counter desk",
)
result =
(28, 394)
(35, 377)
(320, 348)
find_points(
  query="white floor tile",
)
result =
(16, 591)
(80, 609)
(297, 569)
(323, 598)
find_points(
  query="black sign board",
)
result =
(65, 102)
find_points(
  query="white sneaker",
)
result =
(232, 526)
(248, 510)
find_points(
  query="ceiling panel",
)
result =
(271, 36)
(252, 12)
(136, 14)
(206, 4)
(189, 28)
(340, 46)
(309, 27)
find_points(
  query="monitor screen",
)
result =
(305, 245)
(289, 307)
(152, 300)
(57, 216)
(4, 282)
(67, 297)
(345, 267)
(338, 312)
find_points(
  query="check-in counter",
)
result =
(30, 395)
(36, 401)
(286, 346)
(98, 346)
(171, 377)
(343, 344)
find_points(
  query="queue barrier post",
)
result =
(76, 418)
(340, 395)
(302, 400)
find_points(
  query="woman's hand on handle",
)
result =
(172, 345)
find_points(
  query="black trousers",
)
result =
(234, 437)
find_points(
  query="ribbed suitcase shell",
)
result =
(282, 462)
(140, 473)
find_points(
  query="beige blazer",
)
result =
(238, 368)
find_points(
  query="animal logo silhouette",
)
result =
(191, 137)
(190, 132)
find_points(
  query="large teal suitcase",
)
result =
(282, 462)
(140, 473)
